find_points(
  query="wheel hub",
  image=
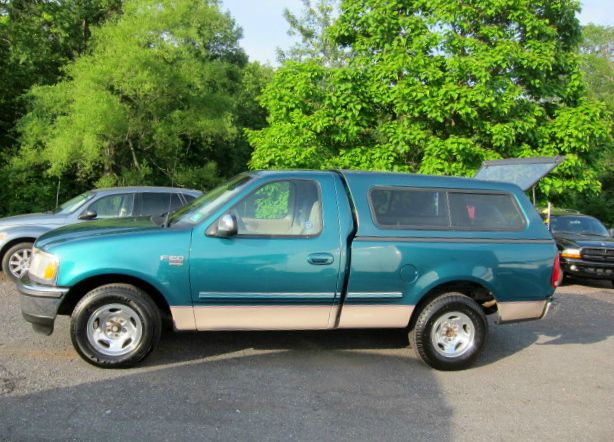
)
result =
(450, 331)
(19, 262)
(453, 334)
(114, 329)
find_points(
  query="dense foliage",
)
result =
(437, 87)
(114, 92)
(161, 97)
(597, 58)
(37, 38)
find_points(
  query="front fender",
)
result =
(13, 234)
(146, 258)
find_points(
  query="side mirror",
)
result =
(88, 215)
(226, 227)
(611, 232)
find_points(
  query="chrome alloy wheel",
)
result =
(19, 262)
(114, 329)
(453, 334)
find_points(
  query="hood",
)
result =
(576, 240)
(99, 228)
(37, 219)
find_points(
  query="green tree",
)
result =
(37, 38)
(437, 87)
(156, 100)
(311, 27)
(597, 58)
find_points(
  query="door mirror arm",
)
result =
(88, 215)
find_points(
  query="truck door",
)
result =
(280, 270)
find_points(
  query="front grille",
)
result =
(598, 254)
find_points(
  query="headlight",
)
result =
(571, 253)
(43, 266)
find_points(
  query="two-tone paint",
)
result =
(354, 274)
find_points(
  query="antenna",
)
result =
(170, 195)
(57, 194)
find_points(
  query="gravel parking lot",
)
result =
(542, 380)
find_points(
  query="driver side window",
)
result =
(281, 208)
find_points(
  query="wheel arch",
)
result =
(476, 290)
(79, 290)
(11, 243)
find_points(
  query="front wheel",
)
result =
(449, 332)
(115, 325)
(16, 260)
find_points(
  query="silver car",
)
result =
(18, 233)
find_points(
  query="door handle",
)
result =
(320, 259)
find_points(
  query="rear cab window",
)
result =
(444, 209)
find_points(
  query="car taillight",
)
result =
(556, 272)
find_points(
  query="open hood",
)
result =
(524, 172)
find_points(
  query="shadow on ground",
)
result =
(572, 319)
(305, 387)
(595, 283)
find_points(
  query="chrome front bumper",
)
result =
(40, 304)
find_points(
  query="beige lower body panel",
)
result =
(375, 316)
(522, 310)
(204, 318)
(254, 318)
(183, 318)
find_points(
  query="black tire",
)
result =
(126, 310)
(464, 313)
(13, 252)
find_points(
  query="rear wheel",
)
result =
(16, 260)
(450, 332)
(115, 325)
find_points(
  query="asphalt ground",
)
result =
(547, 380)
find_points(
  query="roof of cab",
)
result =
(373, 178)
(411, 179)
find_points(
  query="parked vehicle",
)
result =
(302, 250)
(18, 233)
(586, 246)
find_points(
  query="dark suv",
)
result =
(18, 233)
(585, 245)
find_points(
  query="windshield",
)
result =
(73, 204)
(585, 225)
(203, 206)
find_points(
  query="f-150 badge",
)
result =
(172, 260)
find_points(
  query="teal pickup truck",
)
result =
(302, 250)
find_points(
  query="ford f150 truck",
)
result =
(302, 250)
